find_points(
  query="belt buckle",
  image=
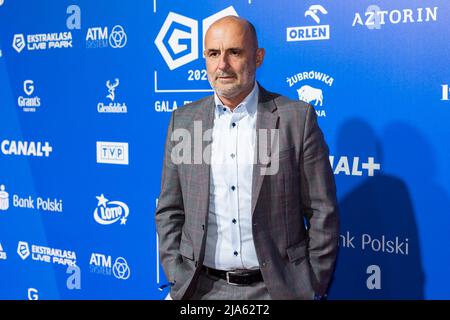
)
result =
(228, 278)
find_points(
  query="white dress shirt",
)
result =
(229, 242)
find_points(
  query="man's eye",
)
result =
(213, 54)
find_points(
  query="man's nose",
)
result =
(223, 62)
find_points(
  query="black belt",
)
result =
(235, 277)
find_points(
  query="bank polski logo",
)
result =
(118, 37)
(23, 250)
(308, 33)
(310, 87)
(121, 270)
(177, 41)
(18, 42)
(4, 198)
(109, 212)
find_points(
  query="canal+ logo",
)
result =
(109, 212)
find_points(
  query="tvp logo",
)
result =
(177, 41)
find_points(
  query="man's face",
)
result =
(231, 59)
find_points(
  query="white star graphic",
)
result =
(123, 220)
(102, 201)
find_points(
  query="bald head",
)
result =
(246, 26)
(232, 57)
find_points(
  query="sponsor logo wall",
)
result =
(87, 91)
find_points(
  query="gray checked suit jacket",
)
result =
(295, 214)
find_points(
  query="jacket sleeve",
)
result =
(170, 210)
(319, 203)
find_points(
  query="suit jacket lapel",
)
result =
(267, 118)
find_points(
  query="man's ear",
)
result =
(260, 53)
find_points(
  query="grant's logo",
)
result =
(33, 294)
(308, 33)
(28, 103)
(109, 212)
(28, 87)
(18, 42)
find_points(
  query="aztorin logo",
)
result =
(112, 107)
(177, 41)
(28, 103)
(374, 17)
(313, 93)
(109, 212)
(308, 33)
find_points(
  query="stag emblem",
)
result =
(112, 88)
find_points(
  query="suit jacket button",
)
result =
(203, 227)
(196, 263)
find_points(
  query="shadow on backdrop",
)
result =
(379, 251)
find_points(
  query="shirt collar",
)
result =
(249, 104)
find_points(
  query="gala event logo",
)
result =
(311, 91)
(109, 212)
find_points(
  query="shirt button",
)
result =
(232, 155)
(233, 124)
(233, 188)
(236, 253)
(224, 109)
(234, 221)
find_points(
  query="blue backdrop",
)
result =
(86, 92)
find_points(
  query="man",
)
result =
(231, 227)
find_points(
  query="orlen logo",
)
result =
(177, 41)
(109, 212)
